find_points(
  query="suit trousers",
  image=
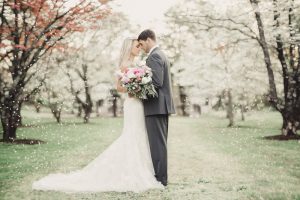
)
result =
(157, 129)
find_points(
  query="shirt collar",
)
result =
(152, 49)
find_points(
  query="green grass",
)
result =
(206, 159)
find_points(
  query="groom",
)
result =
(157, 110)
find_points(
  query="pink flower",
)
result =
(139, 72)
(146, 68)
(119, 74)
(21, 47)
(125, 79)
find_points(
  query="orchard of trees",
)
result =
(29, 32)
(63, 56)
(249, 51)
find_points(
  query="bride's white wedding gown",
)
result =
(125, 165)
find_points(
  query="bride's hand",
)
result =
(130, 95)
(123, 68)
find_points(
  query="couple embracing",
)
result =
(137, 160)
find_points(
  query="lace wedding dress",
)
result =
(125, 165)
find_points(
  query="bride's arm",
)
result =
(119, 87)
(118, 84)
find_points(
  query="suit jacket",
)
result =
(163, 104)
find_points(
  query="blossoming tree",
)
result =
(28, 30)
(274, 26)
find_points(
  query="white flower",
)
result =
(146, 68)
(130, 74)
(146, 80)
(118, 73)
(142, 63)
(150, 73)
(125, 79)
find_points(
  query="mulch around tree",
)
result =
(283, 137)
(25, 141)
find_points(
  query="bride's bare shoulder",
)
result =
(123, 68)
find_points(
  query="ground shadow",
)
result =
(24, 141)
(282, 137)
(55, 123)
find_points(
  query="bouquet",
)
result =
(138, 81)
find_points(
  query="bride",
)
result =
(126, 164)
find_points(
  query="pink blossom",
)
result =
(22, 47)
(125, 79)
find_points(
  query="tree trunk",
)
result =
(88, 109)
(183, 101)
(290, 73)
(88, 106)
(57, 116)
(79, 110)
(114, 106)
(243, 112)
(290, 124)
(10, 119)
(86, 117)
(115, 95)
(56, 111)
(230, 109)
(207, 101)
(37, 108)
(99, 104)
(219, 104)
(273, 98)
(19, 116)
(58, 119)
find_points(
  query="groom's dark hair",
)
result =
(147, 34)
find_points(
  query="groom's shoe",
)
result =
(163, 180)
(164, 183)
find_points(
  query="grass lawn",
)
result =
(206, 159)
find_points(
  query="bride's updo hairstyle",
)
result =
(126, 50)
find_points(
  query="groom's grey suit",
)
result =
(157, 111)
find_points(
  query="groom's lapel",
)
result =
(152, 52)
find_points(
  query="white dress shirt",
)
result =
(152, 49)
